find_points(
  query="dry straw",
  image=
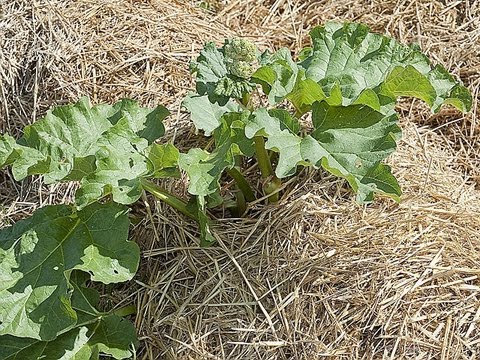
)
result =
(316, 276)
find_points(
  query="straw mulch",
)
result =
(316, 276)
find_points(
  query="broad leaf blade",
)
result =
(356, 59)
(105, 147)
(38, 254)
(145, 122)
(94, 333)
(206, 115)
(348, 141)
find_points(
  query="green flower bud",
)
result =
(240, 50)
(240, 57)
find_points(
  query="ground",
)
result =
(316, 276)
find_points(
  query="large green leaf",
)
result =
(363, 67)
(95, 333)
(106, 148)
(348, 141)
(37, 256)
(357, 59)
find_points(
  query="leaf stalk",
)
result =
(168, 198)
(242, 184)
(272, 182)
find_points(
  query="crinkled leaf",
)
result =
(105, 147)
(144, 122)
(348, 59)
(206, 115)
(38, 254)
(110, 335)
(348, 141)
(214, 77)
(203, 170)
(278, 75)
(94, 333)
(356, 59)
(458, 96)
(163, 160)
(279, 138)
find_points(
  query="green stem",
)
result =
(240, 207)
(272, 183)
(168, 198)
(242, 184)
(125, 310)
(262, 157)
(271, 186)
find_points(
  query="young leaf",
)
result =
(38, 254)
(205, 169)
(107, 148)
(206, 115)
(356, 59)
(94, 333)
(225, 72)
(278, 75)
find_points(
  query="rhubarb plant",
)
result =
(332, 108)
(346, 85)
